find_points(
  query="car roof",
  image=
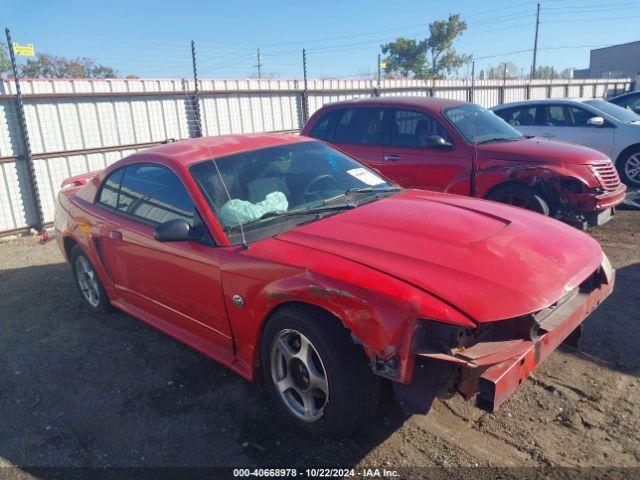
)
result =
(193, 150)
(429, 103)
(628, 94)
(567, 101)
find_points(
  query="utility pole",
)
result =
(305, 100)
(196, 99)
(26, 144)
(379, 75)
(473, 81)
(259, 65)
(535, 43)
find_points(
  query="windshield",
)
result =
(614, 110)
(271, 183)
(478, 125)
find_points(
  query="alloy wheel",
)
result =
(299, 375)
(632, 168)
(87, 281)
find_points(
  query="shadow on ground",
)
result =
(79, 390)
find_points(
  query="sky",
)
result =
(151, 39)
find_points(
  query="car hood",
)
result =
(489, 260)
(538, 149)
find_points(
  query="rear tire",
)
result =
(628, 166)
(94, 298)
(339, 381)
(521, 196)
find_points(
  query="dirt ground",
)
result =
(76, 390)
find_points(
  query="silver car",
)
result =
(591, 122)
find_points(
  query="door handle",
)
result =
(392, 158)
(115, 235)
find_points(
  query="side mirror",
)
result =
(436, 141)
(595, 122)
(176, 230)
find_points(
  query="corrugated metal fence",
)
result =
(80, 125)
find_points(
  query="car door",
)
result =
(522, 118)
(177, 283)
(412, 163)
(358, 131)
(569, 123)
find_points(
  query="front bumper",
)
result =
(493, 368)
(588, 202)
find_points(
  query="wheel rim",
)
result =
(87, 281)
(632, 168)
(299, 375)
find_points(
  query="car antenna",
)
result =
(196, 116)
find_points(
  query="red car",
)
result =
(289, 261)
(459, 147)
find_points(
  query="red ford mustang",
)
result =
(285, 259)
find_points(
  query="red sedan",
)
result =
(459, 147)
(289, 261)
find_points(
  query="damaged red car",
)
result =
(459, 147)
(289, 261)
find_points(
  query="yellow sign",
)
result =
(383, 64)
(25, 50)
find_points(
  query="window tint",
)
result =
(360, 126)
(519, 116)
(323, 129)
(411, 129)
(579, 116)
(110, 187)
(554, 116)
(154, 193)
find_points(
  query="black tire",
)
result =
(521, 196)
(78, 258)
(632, 155)
(353, 389)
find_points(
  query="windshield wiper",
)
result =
(498, 139)
(299, 211)
(352, 191)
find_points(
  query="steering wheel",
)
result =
(320, 178)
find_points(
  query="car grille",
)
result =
(607, 175)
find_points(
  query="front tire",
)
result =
(317, 376)
(628, 166)
(94, 298)
(521, 196)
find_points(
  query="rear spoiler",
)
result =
(78, 180)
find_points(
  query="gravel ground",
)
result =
(77, 390)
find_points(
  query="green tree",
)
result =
(433, 57)
(5, 63)
(547, 73)
(46, 65)
(567, 73)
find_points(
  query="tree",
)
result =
(567, 73)
(440, 52)
(547, 73)
(498, 72)
(432, 57)
(5, 63)
(46, 65)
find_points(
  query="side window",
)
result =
(411, 129)
(323, 129)
(633, 104)
(110, 187)
(360, 126)
(554, 116)
(579, 116)
(519, 116)
(154, 193)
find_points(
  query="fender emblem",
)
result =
(238, 301)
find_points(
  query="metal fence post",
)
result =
(26, 144)
(473, 83)
(195, 99)
(305, 99)
(376, 92)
